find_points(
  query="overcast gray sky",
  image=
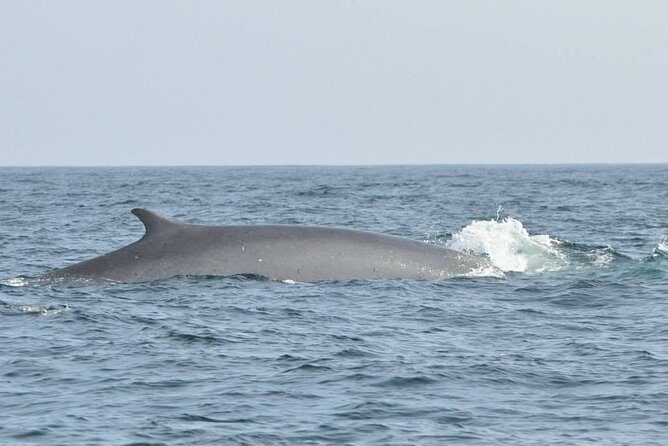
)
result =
(333, 82)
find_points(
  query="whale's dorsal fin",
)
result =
(153, 222)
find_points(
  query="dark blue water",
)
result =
(570, 347)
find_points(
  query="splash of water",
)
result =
(509, 246)
(661, 249)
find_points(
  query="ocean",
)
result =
(569, 346)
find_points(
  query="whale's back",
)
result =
(299, 253)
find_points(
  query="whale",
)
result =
(281, 252)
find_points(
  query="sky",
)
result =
(333, 82)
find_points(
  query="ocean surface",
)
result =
(570, 346)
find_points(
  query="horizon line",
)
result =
(625, 163)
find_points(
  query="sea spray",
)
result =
(509, 246)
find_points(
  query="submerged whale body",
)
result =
(299, 253)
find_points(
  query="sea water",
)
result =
(568, 346)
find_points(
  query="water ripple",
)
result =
(569, 348)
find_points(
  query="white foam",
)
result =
(34, 309)
(38, 309)
(509, 246)
(16, 282)
(662, 248)
(486, 271)
(602, 257)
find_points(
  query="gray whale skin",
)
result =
(299, 253)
